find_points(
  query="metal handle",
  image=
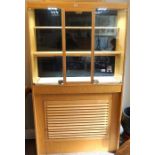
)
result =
(95, 81)
(61, 82)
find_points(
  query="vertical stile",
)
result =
(92, 46)
(121, 42)
(31, 22)
(63, 44)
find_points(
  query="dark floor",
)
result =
(30, 147)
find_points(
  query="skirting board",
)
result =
(29, 134)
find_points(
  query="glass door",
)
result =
(78, 29)
(48, 35)
(77, 46)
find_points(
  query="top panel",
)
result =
(70, 5)
(78, 18)
(48, 17)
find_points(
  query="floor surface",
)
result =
(30, 147)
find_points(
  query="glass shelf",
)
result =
(47, 53)
(107, 53)
(78, 27)
(48, 27)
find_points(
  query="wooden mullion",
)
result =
(92, 46)
(63, 44)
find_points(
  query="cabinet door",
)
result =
(74, 123)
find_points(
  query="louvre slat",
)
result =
(76, 108)
(77, 125)
(80, 113)
(100, 136)
(62, 122)
(78, 116)
(56, 129)
(76, 132)
(74, 104)
(75, 119)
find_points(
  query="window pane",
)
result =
(105, 17)
(104, 65)
(78, 66)
(50, 67)
(105, 39)
(48, 17)
(48, 40)
(78, 40)
(78, 18)
(103, 42)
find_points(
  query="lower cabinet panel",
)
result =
(75, 123)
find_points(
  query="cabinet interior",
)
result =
(77, 46)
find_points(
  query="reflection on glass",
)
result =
(103, 42)
(48, 40)
(78, 18)
(105, 39)
(50, 67)
(78, 66)
(104, 66)
(48, 17)
(105, 17)
(78, 40)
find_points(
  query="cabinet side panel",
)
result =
(32, 39)
(115, 122)
(39, 120)
(121, 41)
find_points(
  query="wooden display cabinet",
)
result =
(77, 51)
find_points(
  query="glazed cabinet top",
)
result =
(77, 41)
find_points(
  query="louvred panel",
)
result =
(77, 119)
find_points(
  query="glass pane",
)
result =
(50, 67)
(78, 66)
(105, 39)
(105, 17)
(104, 66)
(48, 40)
(48, 17)
(78, 40)
(103, 42)
(78, 18)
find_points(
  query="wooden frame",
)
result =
(120, 47)
(74, 91)
(55, 93)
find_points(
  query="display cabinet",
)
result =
(77, 51)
